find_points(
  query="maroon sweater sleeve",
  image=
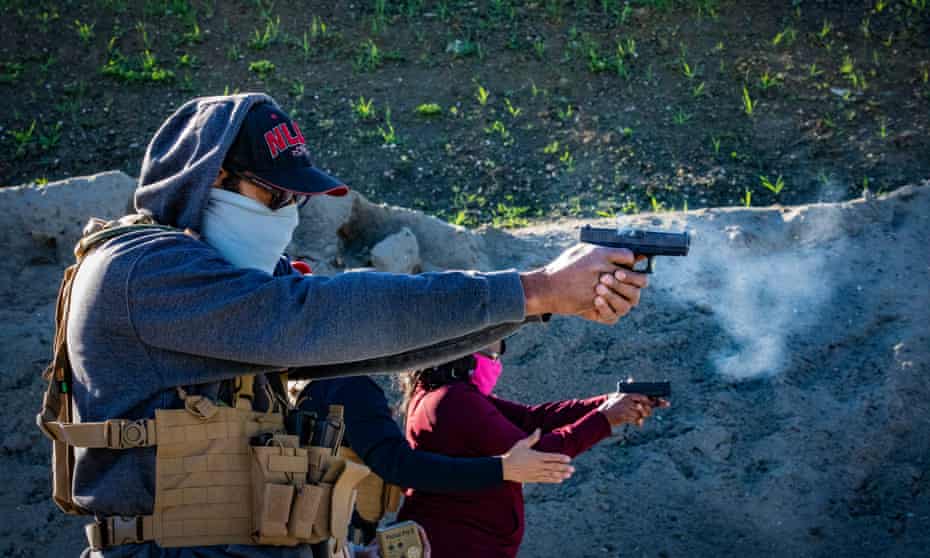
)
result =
(546, 416)
(484, 428)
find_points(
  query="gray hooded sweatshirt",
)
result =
(153, 310)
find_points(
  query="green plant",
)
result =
(565, 114)
(10, 71)
(429, 109)
(775, 187)
(866, 27)
(379, 20)
(787, 36)
(23, 139)
(317, 28)
(187, 60)
(568, 160)
(698, 90)
(368, 57)
(883, 128)
(45, 17)
(749, 106)
(262, 68)
(233, 53)
(482, 95)
(84, 30)
(147, 69)
(596, 62)
(813, 71)
(657, 206)
(715, 142)
(364, 109)
(767, 81)
(747, 198)
(512, 110)
(880, 6)
(687, 70)
(627, 132)
(539, 48)
(388, 134)
(848, 66)
(498, 127)
(298, 89)
(194, 35)
(261, 39)
(509, 216)
(681, 117)
(552, 148)
(825, 30)
(48, 141)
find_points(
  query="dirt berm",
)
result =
(796, 340)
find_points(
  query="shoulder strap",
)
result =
(56, 415)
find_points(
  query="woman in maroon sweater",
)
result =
(450, 411)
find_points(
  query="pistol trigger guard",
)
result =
(651, 265)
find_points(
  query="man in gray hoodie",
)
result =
(156, 309)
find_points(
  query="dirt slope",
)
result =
(796, 340)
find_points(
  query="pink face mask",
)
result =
(486, 373)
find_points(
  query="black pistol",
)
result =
(640, 242)
(649, 389)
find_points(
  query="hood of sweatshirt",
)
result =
(184, 158)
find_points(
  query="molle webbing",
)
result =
(203, 476)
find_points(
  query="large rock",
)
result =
(41, 224)
(398, 253)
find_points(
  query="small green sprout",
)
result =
(482, 95)
(23, 138)
(568, 161)
(715, 142)
(775, 187)
(514, 111)
(681, 117)
(749, 106)
(388, 134)
(84, 30)
(429, 109)
(363, 108)
(747, 198)
(552, 148)
(262, 68)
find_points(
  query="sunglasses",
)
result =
(279, 198)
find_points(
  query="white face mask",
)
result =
(245, 231)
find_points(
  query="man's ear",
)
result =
(218, 183)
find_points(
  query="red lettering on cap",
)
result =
(275, 142)
(292, 140)
(299, 135)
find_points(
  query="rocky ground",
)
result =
(796, 340)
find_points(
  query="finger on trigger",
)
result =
(620, 256)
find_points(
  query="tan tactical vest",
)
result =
(211, 486)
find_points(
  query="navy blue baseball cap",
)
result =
(270, 149)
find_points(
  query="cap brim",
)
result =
(303, 180)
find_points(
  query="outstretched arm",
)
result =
(467, 413)
(546, 416)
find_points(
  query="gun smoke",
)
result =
(761, 295)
